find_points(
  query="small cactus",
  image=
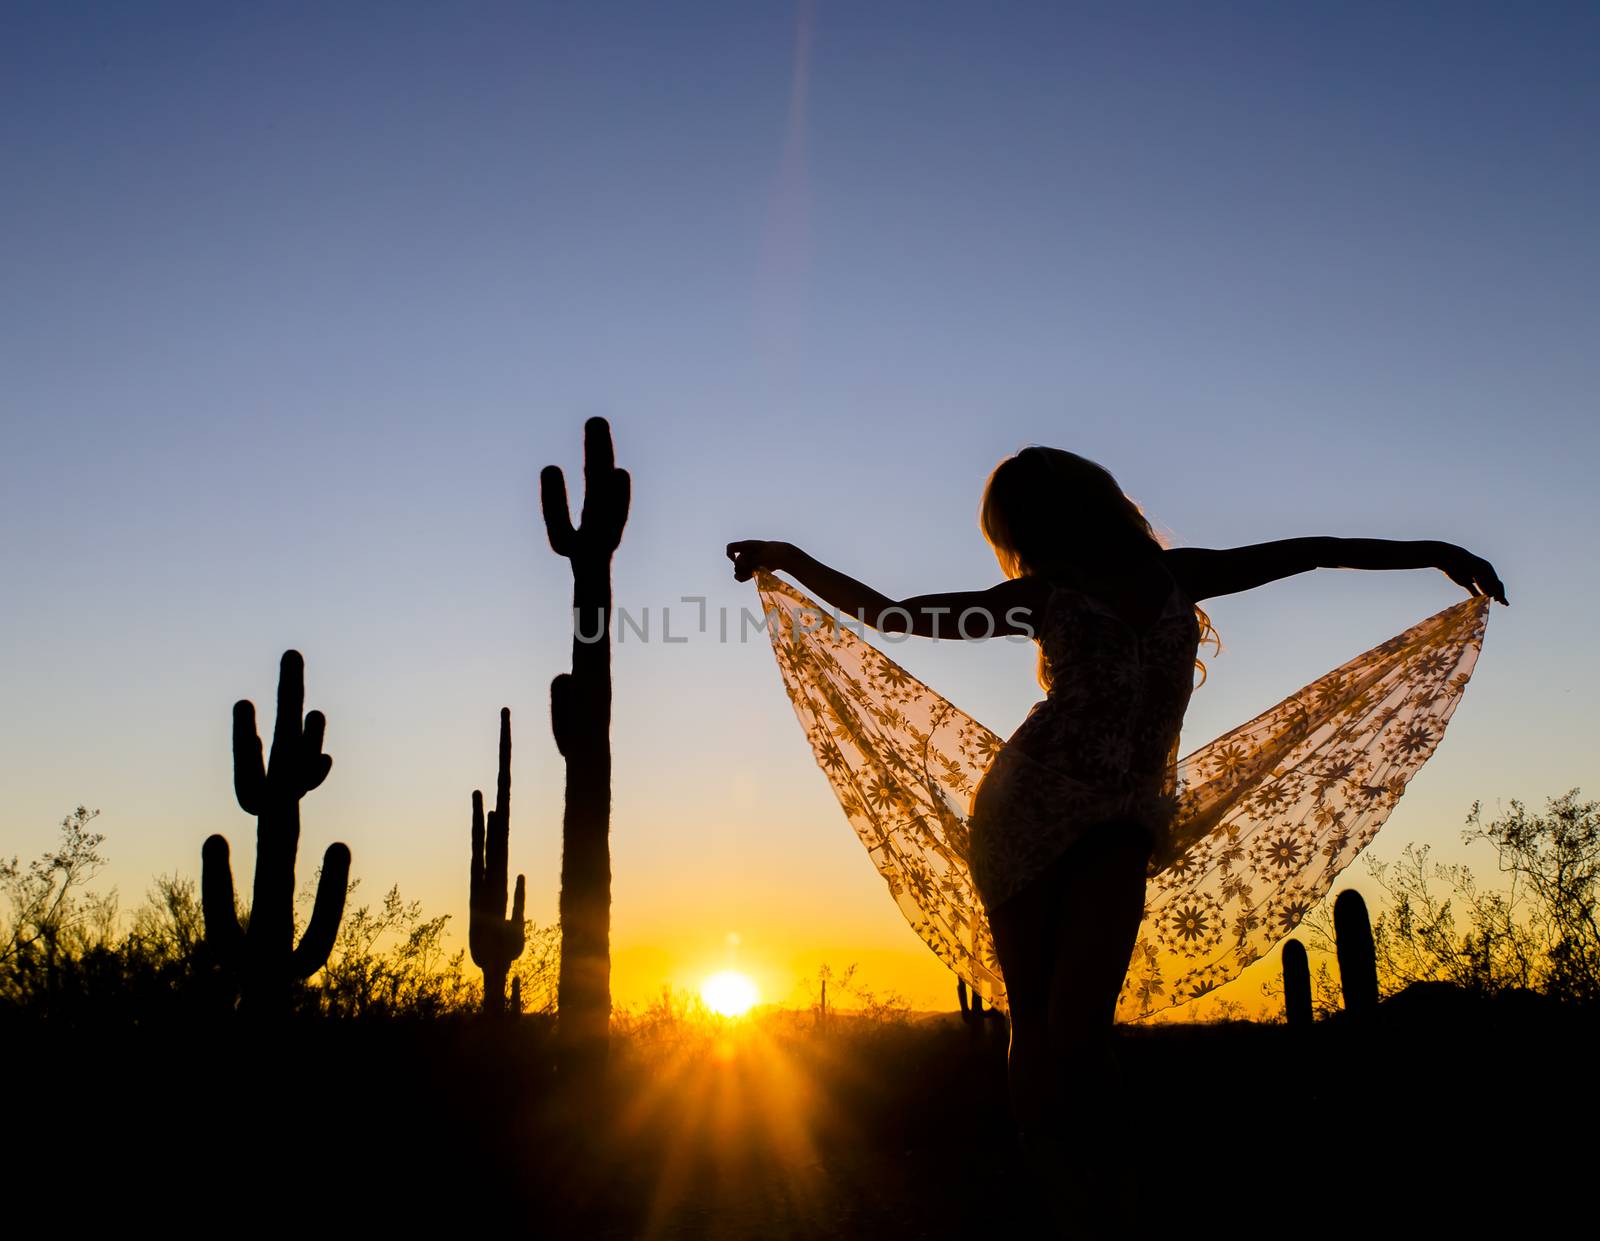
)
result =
(495, 940)
(1358, 967)
(1296, 985)
(975, 1014)
(972, 1012)
(263, 955)
(580, 717)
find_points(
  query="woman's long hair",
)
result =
(1046, 510)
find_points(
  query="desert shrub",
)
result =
(54, 930)
(392, 960)
(1538, 931)
(65, 953)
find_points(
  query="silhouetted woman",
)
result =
(1067, 817)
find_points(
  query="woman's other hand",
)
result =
(1474, 573)
(751, 555)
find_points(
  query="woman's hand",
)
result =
(751, 555)
(1474, 573)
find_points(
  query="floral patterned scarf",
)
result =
(1268, 814)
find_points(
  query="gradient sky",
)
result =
(295, 301)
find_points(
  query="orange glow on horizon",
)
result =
(915, 976)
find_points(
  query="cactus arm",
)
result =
(314, 764)
(512, 932)
(311, 954)
(475, 902)
(476, 894)
(563, 712)
(557, 515)
(249, 776)
(494, 865)
(216, 900)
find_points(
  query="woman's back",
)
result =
(1118, 689)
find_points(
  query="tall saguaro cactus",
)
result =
(495, 940)
(580, 716)
(263, 954)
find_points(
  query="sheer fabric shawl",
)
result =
(1268, 814)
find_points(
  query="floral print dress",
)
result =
(1249, 830)
(1102, 745)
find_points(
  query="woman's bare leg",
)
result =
(1064, 944)
(1100, 906)
(1023, 941)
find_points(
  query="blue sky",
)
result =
(298, 299)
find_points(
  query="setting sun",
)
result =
(729, 993)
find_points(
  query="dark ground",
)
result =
(1444, 1114)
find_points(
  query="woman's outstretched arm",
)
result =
(1001, 611)
(1204, 571)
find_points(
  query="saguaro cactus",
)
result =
(580, 715)
(1358, 967)
(1296, 985)
(495, 940)
(980, 1018)
(972, 1011)
(263, 955)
